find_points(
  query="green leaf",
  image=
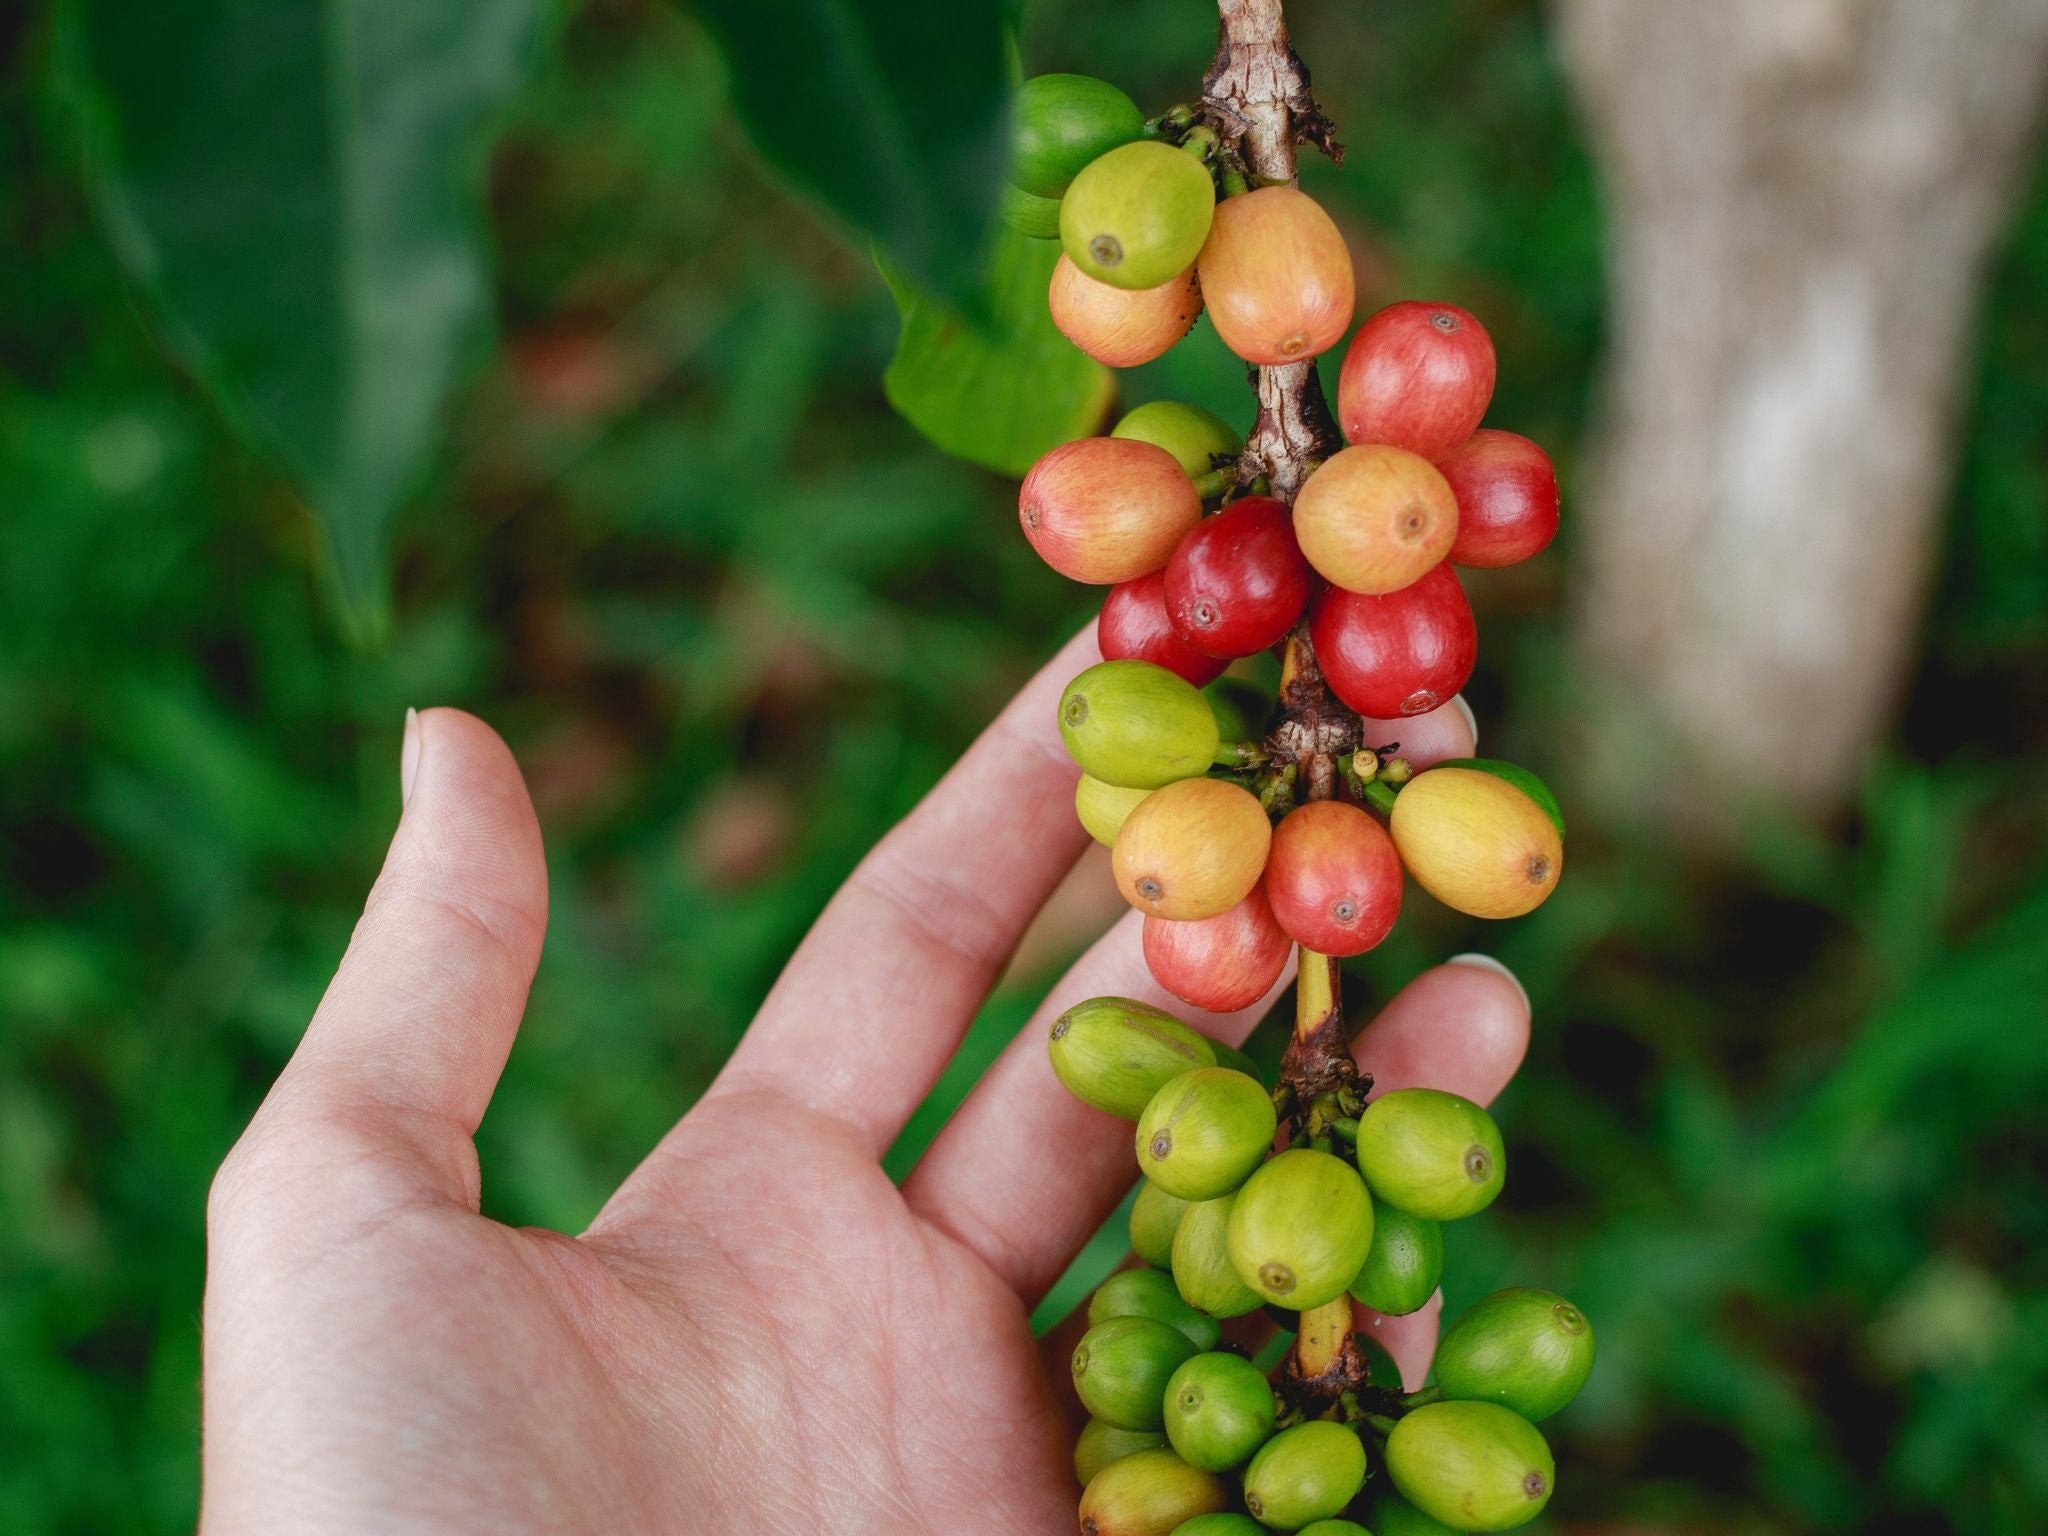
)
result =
(890, 113)
(297, 186)
(997, 391)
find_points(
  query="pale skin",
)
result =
(759, 1332)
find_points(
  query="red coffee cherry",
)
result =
(1237, 581)
(1133, 626)
(1398, 653)
(1333, 878)
(1507, 498)
(1417, 376)
(1220, 963)
(1106, 509)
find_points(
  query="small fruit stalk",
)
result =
(1329, 539)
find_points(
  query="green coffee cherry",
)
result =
(1221, 1525)
(1404, 1265)
(1525, 1349)
(1334, 1528)
(1380, 1370)
(1100, 1444)
(1035, 217)
(1149, 1493)
(1219, 1409)
(1137, 216)
(1517, 775)
(1192, 435)
(1204, 1132)
(1202, 1271)
(1155, 1217)
(1230, 1056)
(1474, 1466)
(1309, 1472)
(1150, 1293)
(1121, 1368)
(1301, 1229)
(1116, 1053)
(1392, 1515)
(1432, 1154)
(1137, 726)
(1240, 708)
(1058, 123)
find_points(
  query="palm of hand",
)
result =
(760, 1332)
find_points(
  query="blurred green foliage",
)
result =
(1778, 1132)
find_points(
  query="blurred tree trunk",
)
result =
(1802, 194)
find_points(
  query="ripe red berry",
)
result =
(1220, 963)
(1237, 581)
(1276, 276)
(1122, 327)
(1134, 627)
(1507, 498)
(1106, 509)
(1417, 376)
(1398, 653)
(1333, 878)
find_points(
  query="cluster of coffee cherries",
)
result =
(1187, 1437)
(1239, 839)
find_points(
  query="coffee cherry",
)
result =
(1137, 726)
(1202, 1271)
(1150, 1293)
(1507, 498)
(1474, 1466)
(1375, 518)
(1114, 1053)
(1102, 807)
(1237, 581)
(1230, 1056)
(1221, 1525)
(1309, 1472)
(1196, 438)
(1155, 1218)
(1515, 774)
(1403, 653)
(1058, 123)
(1191, 850)
(1106, 509)
(1277, 276)
(1300, 1229)
(1221, 963)
(1204, 1132)
(1137, 216)
(1122, 327)
(1121, 1368)
(1392, 1515)
(1099, 1444)
(1431, 1153)
(1476, 843)
(1333, 878)
(1418, 376)
(1219, 1409)
(1149, 1493)
(1035, 217)
(1133, 626)
(1525, 1349)
(1334, 1528)
(1404, 1265)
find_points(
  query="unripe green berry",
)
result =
(1121, 1368)
(1192, 435)
(1404, 1265)
(1035, 217)
(1115, 1053)
(1058, 123)
(1525, 1349)
(1220, 1525)
(1138, 215)
(1392, 1515)
(1474, 1466)
(1150, 1293)
(1334, 1528)
(1155, 1218)
(1202, 1271)
(1301, 1229)
(1100, 1444)
(1101, 808)
(1430, 1153)
(1149, 1493)
(1138, 726)
(1204, 1132)
(1309, 1472)
(1230, 1056)
(1219, 1409)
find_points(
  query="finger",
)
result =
(1024, 1172)
(875, 1000)
(416, 1025)
(1410, 1338)
(1449, 730)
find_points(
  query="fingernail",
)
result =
(1471, 719)
(1481, 962)
(409, 758)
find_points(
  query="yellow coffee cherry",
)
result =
(1476, 843)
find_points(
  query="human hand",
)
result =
(759, 1333)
